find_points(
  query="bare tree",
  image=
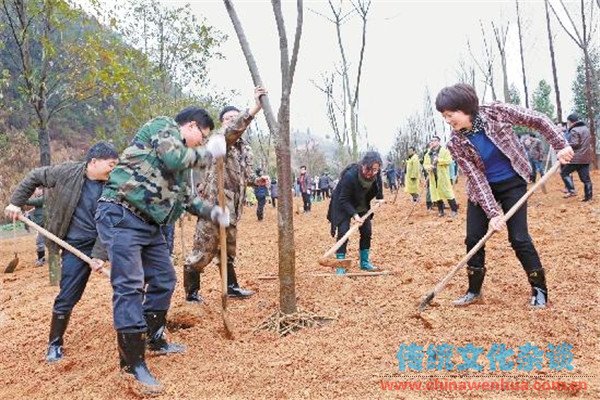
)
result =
(287, 318)
(465, 73)
(501, 33)
(351, 93)
(334, 109)
(582, 36)
(553, 61)
(486, 67)
(520, 28)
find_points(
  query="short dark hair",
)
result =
(101, 151)
(225, 110)
(573, 117)
(436, 137)
(370, 158)
(460, 97)
(413, 148)
(303, 166)
(195, 114)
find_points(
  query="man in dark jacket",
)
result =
(77, 187)
(581, 142)
(261, 191)
(305, 183)
(324, 183)
(351, 199)
(392, 177)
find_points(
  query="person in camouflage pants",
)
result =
(146, 190)
(238, 174)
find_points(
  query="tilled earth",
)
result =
(353, 356)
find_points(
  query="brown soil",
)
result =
(346, 358)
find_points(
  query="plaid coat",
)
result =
(498, 121)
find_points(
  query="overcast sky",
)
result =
(411, 45)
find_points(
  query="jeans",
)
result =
(536, 166)
(260, 209)
(74, 277)
(169, 233)
(142, 276)
(583, 170)
(507, 193)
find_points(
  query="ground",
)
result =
(351, 357)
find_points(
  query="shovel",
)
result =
(223, 245)
(61, 243)
(10, 268)
(442, 284)
(332, 262)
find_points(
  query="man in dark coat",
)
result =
(358, 185)
(581, 142)
(76, 189)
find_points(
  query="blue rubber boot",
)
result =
(365, 265)
(340, 270)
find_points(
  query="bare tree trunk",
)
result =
(501, 34)
(281, 130)
(554, 73)
(522, 55)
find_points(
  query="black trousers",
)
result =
(507, 193)
(306, 200)
(365, 234)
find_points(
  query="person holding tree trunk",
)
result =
(437, 163)
(70, 208)
(351, 199)
(238, 175)
(497, 171)
(146, 190)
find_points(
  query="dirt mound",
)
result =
(351, 357)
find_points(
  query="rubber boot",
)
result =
(441, 206)
(58, 326)
(341, 270)
(539, 291)
(191, 285)
(132, 348)
(473, 294)
(233, 288)
(453, 207)
(365, 264)
(587, 189)
(157, 337)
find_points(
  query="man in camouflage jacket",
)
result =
(238, 174)
(148, 189)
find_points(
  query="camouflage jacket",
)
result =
(151, 176)
(238, 174)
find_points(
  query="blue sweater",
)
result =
(497, 166)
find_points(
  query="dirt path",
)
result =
(350, 357)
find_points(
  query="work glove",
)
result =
(220, 216)
(216, 146)
(12, 211)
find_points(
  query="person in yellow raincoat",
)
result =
(412, 177)
(437, 163)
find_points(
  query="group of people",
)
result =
(113, 207)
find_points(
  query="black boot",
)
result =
(132, 347)
(473, 294)
(157, 337)
(440, 205)
(233, 288)
(191, 284)
(429, 205)
(539, 291)
(587, 189)
(453, 207)
(58, 326)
